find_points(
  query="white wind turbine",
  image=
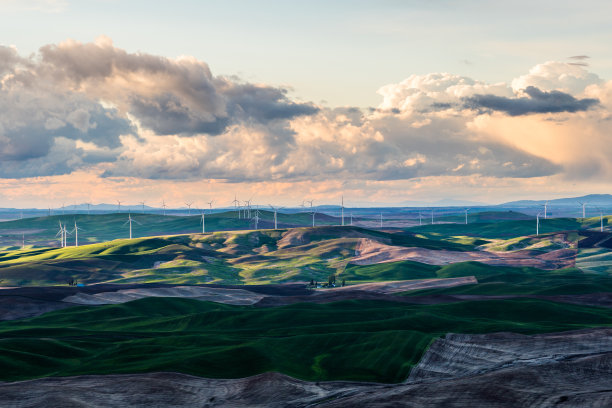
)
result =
(466, 212)
(583, 208)
(275, 209)
(118, 206)
(313, 213)
(236, 205)
(142, 203)
(381, 220)
(63, 207)
(164, 206)
(189, 206)
(256, 217)
(76, 233)
(538, 224)
(600, 219)
(203, 221)
(545, 205)
(342, 211)
(130, 221)
(210, 203)
(60, 233)
(88, 205)
(420, 218)
(432, 218)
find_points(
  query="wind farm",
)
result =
(277, 259)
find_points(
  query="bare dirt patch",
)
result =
(370, 252)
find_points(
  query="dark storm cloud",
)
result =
(537, 102)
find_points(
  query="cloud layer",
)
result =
(97, 108)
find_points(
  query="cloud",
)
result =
(558, 76)
(537, 101)
(94, 107)
(579, 57)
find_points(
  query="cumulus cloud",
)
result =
(557, 76)
(95, 106)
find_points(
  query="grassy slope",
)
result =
(353, 340)
(221, 257)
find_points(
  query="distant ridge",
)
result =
(602, 200)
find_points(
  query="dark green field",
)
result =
(351, 340)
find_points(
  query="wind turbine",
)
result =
(236, 205)
(466, 211)
(142, 203)
(210, 203)
(118, 206)
(545, 205)
(63, 206)
(164, 206)
(381, 220)
(313, 213)
(60, 233)
(88, 205)
(342, 211)
(76, 233)
(420, 218)
(351, 219)
(275, 211)
(432, 220)
(130, 221)
(538, 224)
(203, 221)
(600, 219)
(583, 209)
(256, 217)
(189, 206)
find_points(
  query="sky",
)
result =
(382, 102)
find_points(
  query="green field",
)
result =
(350, 340)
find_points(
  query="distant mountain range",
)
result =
(592, 200)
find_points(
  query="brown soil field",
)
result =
(370, 252)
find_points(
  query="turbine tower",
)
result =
(432, 220)
(189, 206)
(203, 221)
(275, 209)
(466, 211)
(600, 219)
(583, 208)
(420, 218)
(210, 203)
(118, 206)
(76, 233)
(342, 211)
(88, 205)
(142, 203)
(313, 213)
(538, 224)
(164, 206)
(256, 217)
(381, 220)
(60, 233)
(351, 219)
(130, 221)
(236, 205)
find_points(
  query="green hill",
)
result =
(350, 340)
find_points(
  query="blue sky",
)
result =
(384, 102)
(335, 51)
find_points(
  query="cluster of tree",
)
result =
(73, 282)
(331, 282)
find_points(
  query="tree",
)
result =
(331, 280)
